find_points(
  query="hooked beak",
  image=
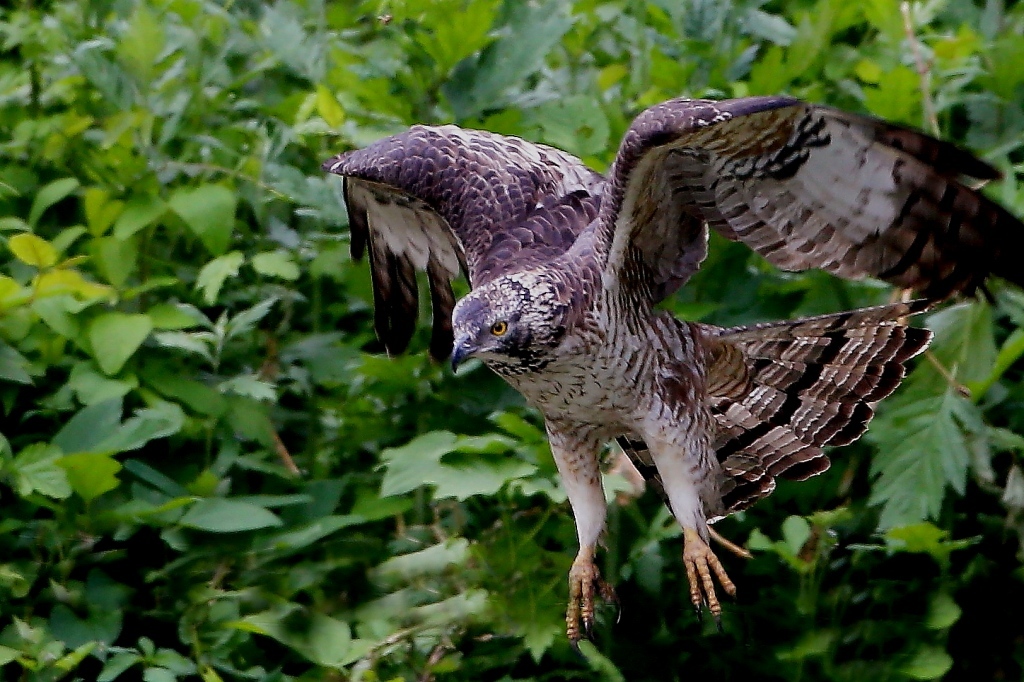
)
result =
(462, 350)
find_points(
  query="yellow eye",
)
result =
(499, 328)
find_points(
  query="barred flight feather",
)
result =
(781, 391)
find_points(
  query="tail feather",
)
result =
(811, 382)
(780, 392)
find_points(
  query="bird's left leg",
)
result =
(576, 452)
(689, 474)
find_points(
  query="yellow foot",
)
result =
(700, 563)
(585, 583)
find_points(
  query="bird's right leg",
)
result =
(576, 452)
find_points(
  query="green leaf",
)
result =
(532, 30)
(98, 428)
(320, 638)
(449, 36)
(100, 210)
(430, 561)
(209, 211)
(50, 195)
(32, 250)
(278, 264)
(212, 276)
(141, 211)
(943, 612)
(328, 108)
(91, 387)
(897, 97)
(175, 316)
(420, 463)
(576, 124)
(115, 259)
(7, 655)
(36, 471)
(922, 449)
(795, 533)
(142, 43)
(118, 664)
(929, 663)
(13, 366)
(218, 515)
(91, 474)
(89, 427)
(115, 337)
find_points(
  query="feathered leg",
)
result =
(689, 473)
(576, 453)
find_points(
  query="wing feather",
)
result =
(446, 200)
(805, 186)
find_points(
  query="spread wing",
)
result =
(806, 187)
(444, 200)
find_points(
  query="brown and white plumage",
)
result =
(566, 266)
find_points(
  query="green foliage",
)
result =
(208, 469)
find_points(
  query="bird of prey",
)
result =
(566, 266)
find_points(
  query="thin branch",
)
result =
(947, 375)
(924, 70)
(285, 456)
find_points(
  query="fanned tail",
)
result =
(781, 391)
(808, 383)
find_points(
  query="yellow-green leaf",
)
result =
(91, 473)
(32, 250)
(328, 108)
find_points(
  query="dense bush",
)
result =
(208, 469)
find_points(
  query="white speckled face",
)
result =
(510, 322)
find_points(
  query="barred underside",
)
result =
(780, 392)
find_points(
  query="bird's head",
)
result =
(513, 323)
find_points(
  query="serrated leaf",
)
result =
(218, 515)
(91, 474)
(50, 195)
(922, 449)
(32, 250)
(213, 275)
(244, 322)
(36, 471)
(115, 337)
(420, 463)
(209, 211)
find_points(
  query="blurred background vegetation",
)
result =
(209, 470)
